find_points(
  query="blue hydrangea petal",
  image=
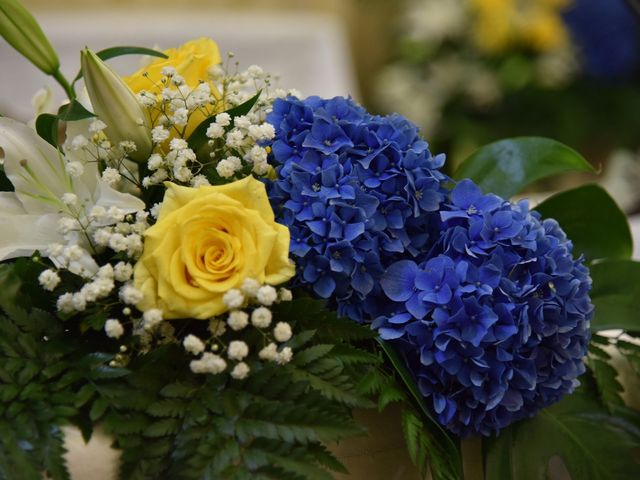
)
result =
(398, 281)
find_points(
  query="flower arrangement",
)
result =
(466, 71)
(218, 272)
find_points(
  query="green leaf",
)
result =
(507, 166)
(162, 427)
(592, 220)
(47, 123)
(607, 384)
(103, 372)
(390, 394)
(302, 468)
(47, 128)
(416, 439)
(84, 394)
(615, 294)
(591, 444)
(311, 354)
(54, 461)
(198, 137)
(98, 408)
(444, 448)
(178, 390)
(327, 387)
(113, 52)
(73, 111)
(167, 408)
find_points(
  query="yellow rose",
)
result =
(206, 241)
(192, 61)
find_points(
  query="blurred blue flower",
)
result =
(607, 33)
(358, 193)
(493, 321)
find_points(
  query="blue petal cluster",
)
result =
(494, 320)
(608, 35)
(358, 192)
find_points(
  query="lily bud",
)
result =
(22, 32)
(116, 105)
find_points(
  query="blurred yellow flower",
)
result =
(544, 31)
(500, 25)
(193, 61)
(206, 241)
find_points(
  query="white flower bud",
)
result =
(116, 105)
(261, 317)
(240, 371)
(237, 350)
(282, 331)
(193, 344)
(113, 328)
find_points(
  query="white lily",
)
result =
(30, 215)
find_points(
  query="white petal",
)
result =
(48, 181)
(10, 204)
(106, 196)
(23, 234)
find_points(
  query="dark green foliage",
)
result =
(272, 425)
(169, 422)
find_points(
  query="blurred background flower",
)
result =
(472, 71)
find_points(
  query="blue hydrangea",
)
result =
(358, 192)
(493, 321)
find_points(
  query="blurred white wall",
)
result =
(308, 50)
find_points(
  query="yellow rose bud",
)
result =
(206, 241)
(192, 61)
(22, 32)
(116, 105)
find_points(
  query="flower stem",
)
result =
(68, 89)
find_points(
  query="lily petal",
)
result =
(23, 234)
(10, 204)
(106, 196)
(35, 168)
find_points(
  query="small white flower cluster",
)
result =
(121, 233)
(175, 104)
(89, 234)
(99, 287)
(177, 165)
(235, 143)
(257, 298)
